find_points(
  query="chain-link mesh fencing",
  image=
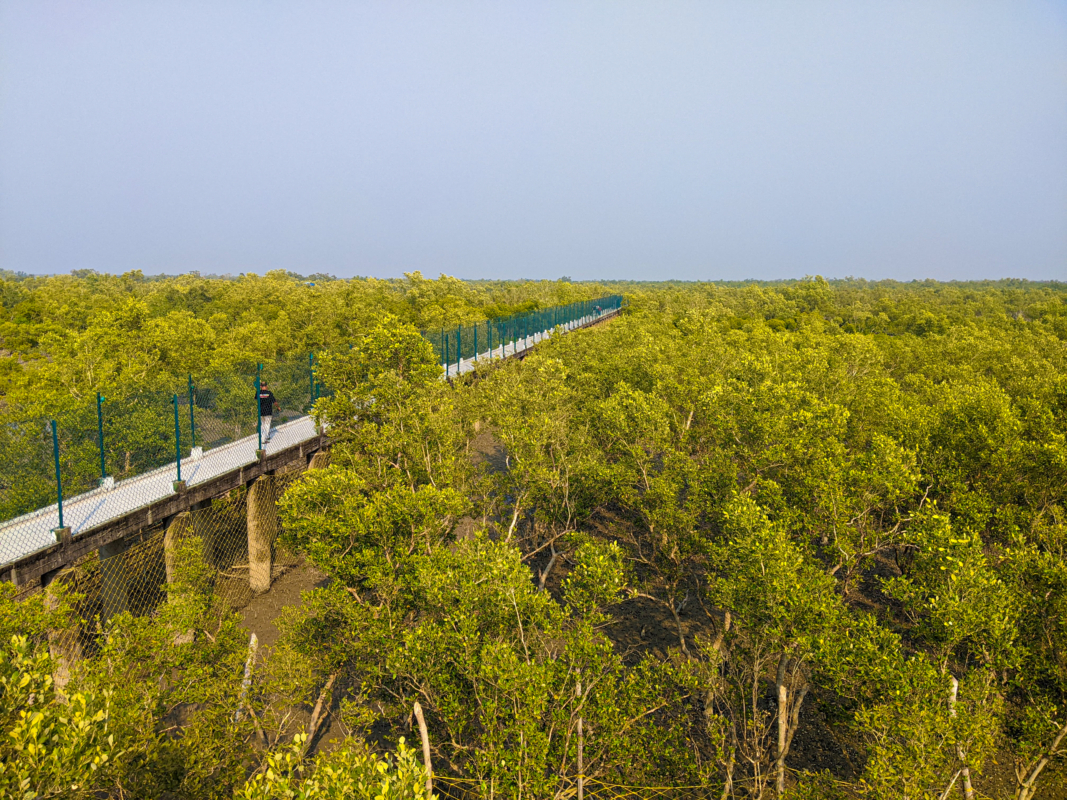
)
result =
(212, 542)
(459, 348)
(448, 788)
(95, 461)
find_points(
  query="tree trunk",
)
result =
(425, 734)
(678, 622)
(548, 567)
(965, 771)
(728, 789)
(581, 742)
(788, 714)
(717, 644)
(1026, 786)
(783, 720)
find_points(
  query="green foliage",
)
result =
(358, 534)
(915, 740)
(34, 616)
(597, 579)
(834, 493)
(764, 580)
(955, 595)
(348, 773)
(52, 745)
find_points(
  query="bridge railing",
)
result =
(94, 443)
(106, 443)
(476, 340)
(109, 438)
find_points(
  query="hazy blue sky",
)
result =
(648, 140)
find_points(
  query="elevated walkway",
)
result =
(33, 547)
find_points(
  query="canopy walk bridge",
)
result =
(114, 514)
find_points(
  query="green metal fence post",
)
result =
(59, 480)
(259, 415)
(459, 349)
(447, 359)
(192, 416)
(476, 341)
(177, 439)
(100, 432)
(311, 377)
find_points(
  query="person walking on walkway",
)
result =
(267, 404)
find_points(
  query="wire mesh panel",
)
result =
(27, 472)
(450, 788)
(133, 575)
(506, 335)
(139, 433)
(224, 408)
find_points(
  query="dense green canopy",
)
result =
(805, 539)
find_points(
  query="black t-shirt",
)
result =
(266, 402)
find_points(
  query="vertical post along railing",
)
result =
(59, 479)
(177, 442)
(259, 415)
(192, 417)
(100, 435)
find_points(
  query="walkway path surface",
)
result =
(33, 532)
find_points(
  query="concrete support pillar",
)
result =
(320, 460)
(180, 527)
(262, 530)
(113, 599)
(64, 644)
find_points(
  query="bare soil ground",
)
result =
(260, 615)
(261, 611)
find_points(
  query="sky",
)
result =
(597, 140)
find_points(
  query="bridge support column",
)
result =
(113, 599)
(262, 530)
(180, 527)
(63, 643)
